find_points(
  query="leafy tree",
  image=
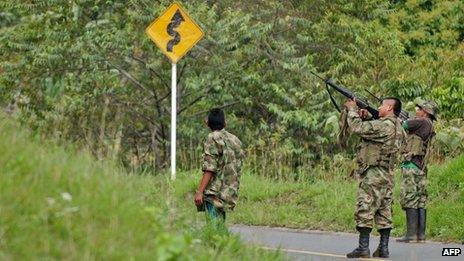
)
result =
(86, 71)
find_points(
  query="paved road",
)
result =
(324, 246)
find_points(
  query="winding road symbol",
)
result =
(174, 32)
(176, 20)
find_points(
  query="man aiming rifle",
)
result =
(381, 139)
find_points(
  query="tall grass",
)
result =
(59, 203)
(324, 199)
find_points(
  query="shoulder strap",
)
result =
(332, 98)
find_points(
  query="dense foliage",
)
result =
(86, 71)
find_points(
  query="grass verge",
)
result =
(59, 203)
(326, 201)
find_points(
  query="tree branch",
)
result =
(130, 77)
(195, 100)
(220, 107)
(140, 60)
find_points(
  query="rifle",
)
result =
(351, 95)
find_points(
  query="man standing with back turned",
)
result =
(413, 184)
(380, 143)
(222, 163)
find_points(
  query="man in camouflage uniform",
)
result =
(413, 185)
(381, 141)
(222, 163)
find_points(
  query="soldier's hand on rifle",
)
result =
(363, 113)
(351, 103)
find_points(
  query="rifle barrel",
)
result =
(317, 75)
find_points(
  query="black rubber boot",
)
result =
(382, 249)
(422, 217)
(411, 226)
(363, 249)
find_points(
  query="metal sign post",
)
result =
(175, 33)
(173, 119)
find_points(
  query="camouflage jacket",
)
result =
(381, 140)
(223, 156)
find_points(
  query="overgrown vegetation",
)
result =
(75, 207)
(59, 203)
(324, 200)
(85, 71)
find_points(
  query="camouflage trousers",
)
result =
(413, 188)
(374, 199)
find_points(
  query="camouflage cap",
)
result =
(429, 107)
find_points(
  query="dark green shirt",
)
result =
(421, 127)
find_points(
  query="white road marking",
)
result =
(313, 253)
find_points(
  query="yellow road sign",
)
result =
(174, 32)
